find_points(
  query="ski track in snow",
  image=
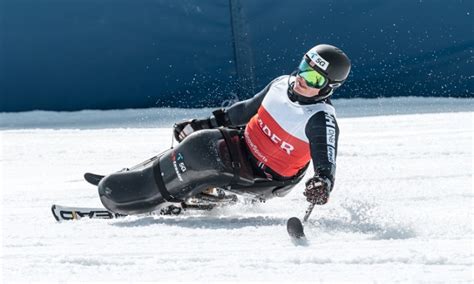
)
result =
(401, 210)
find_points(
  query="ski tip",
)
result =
(53, 209)
(295, 228)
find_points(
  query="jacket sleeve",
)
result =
(323, 134)
(240, 113)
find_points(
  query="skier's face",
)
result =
(303, 89)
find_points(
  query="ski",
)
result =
(64, 213)
(204, 201)
(69, 213)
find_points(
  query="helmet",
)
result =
(332, 63)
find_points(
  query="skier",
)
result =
(260, 146)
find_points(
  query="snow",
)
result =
(402, 208)
(164, 117)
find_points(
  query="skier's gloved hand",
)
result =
(317, 190)
(183, 129)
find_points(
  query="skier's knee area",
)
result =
(130, 192)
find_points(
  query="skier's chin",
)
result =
(302, 91)
(298, 88)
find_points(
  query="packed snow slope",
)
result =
(401, 210)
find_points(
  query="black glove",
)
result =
(317, 190)
(184, 129)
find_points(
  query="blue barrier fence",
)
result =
(104, 54)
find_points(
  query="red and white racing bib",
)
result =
(276, 134)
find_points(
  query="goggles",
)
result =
(312, 77)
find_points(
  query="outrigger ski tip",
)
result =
(295, 228)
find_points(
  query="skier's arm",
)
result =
(237, 115)
(323, 134)
(240, 113)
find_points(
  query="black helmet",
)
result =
(331, 62)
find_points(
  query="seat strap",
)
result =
(161, 185)
(234, 155)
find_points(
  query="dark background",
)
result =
(107, 54)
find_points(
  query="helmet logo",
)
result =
(317, 60)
